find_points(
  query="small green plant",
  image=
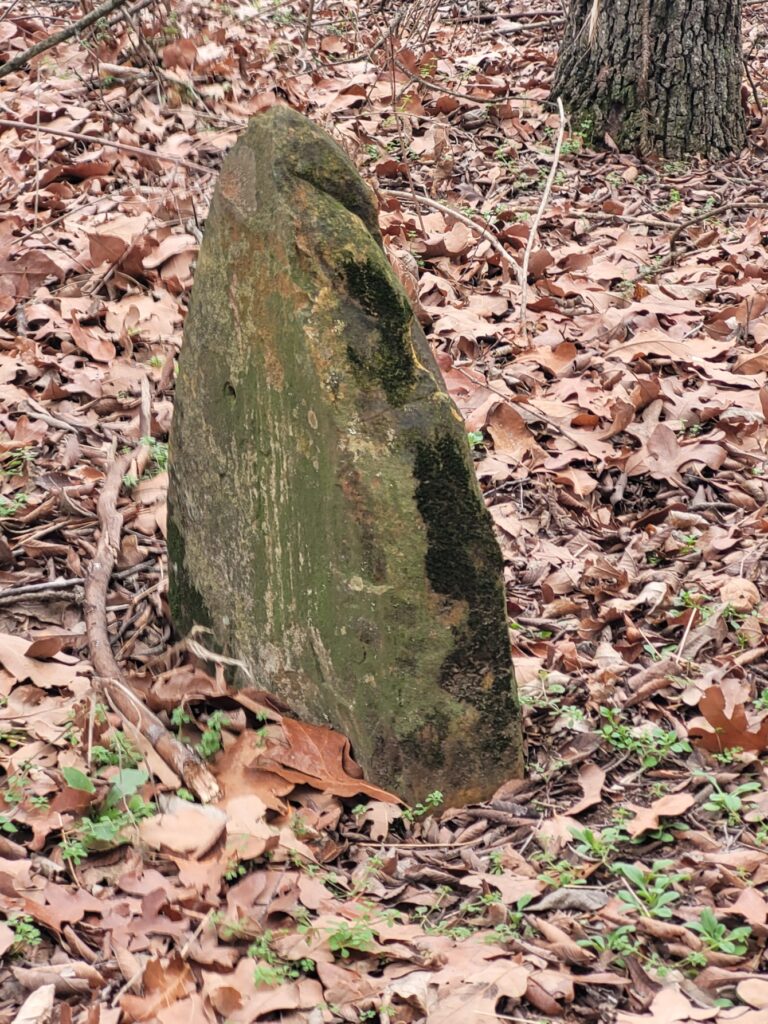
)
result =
(235, 869)
(651, 891)
(346, 937)
(511, 928)
(431, 801)
(718, 937)
(478, 907)
(649, 746)
(688, 544)
(729, 804)
(273, 969)
(692, 599)
(158, 451)
(598, 845)
(73, 850)
(171, 27)
(10, 506)
(674, 197)
(16, 785)
(693, 962)
(105, 826)
(180, 717)
(211, 742)
(663, 834)
(119, 752)
(674, 167)
(475, 439)
(547, 697)
(558, 873)
(732, 618)
(495, 862)
(17, 461)
(26, 934)
(652, 268)
(6, 825)
(618, 944)
(283, 17)
(728, 756)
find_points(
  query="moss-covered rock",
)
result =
(324, 517)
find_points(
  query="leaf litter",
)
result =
(619, 429)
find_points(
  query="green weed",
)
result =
(729, 804)
(650, 891)
(716, 936)
(620, 942)
(346, 937)
(211, 742)
(26, 934)
(431, 801)
(650, 746)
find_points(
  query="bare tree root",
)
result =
(185, 762)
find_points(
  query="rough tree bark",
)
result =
(324, 516)
(658, 76)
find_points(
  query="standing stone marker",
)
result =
(324, 517)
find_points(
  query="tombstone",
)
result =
(325, 521)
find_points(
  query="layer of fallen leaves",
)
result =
(619, 426)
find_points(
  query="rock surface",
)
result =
(324, 516)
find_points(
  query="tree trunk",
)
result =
(657, 76)
(324, 516)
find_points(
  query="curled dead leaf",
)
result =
(741, 594)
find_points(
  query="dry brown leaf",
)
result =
(725, 721)
(591, 779)
(548, 990)
(754, 992)
(36, 1008)
(184, 828)
(742, 595)
(164, 982)
(672, 805)
(511, 437)
(316, 756)
(562, 944)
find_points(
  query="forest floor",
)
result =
(620, 434)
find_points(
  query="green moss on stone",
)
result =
(464, 563)
(390, 363)
(187, 604)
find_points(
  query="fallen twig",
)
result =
(537, 218)
(429, 84)
(483, 232)
(714, 212)
(94, 140)
(59, 37)
(185, 762)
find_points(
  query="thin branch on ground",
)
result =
(714, 212)
(532, 234)
(122, 146)
(185, 762)
(483, 232)
(61, 36)
(465, 95)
